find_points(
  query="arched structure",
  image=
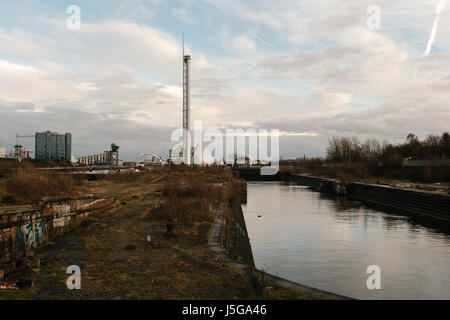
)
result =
(243, 161)
(153, 156)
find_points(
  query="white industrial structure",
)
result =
(150, 158)
(186, 108)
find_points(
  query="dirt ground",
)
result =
(117, 261)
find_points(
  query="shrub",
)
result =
(29, 185)
(191, 193)
(258, 281)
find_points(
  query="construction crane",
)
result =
(18, 147)
(19, 136)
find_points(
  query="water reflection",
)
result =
(328, 243)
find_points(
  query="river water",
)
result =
(326, 243)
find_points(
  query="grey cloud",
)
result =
(119, 81)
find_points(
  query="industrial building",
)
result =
(106, 158)
(51, 146)
(18, 153)
(176, 155)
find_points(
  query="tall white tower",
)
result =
(186, 109)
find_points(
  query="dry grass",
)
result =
(348, 172)
(191, 194)
(180, 267)
(29, 185)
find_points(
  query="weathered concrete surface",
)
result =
(310, 181)
(326, 185)
(23, 229)
(217, 242)
(418, 203)
(236, 239)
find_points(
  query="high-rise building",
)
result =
(51, 146)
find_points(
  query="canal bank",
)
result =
(228, 238)
(418, 203)
(329, 242)
(431, 207)
(127, 251)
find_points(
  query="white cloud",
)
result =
(243, 43)
(28, 84)
(329, 75)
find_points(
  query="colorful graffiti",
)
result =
(28, 229)
(31, 234)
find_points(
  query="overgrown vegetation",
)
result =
(191, 194)
(158, 266)
(344, 149)
(28, 185)
(258, 282)
(414, 159)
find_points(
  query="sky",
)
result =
(312, 69)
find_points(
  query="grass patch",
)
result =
(29, 185)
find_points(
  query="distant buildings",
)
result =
(18, 153)
(106, 158)
(176, 155)
(51, 146)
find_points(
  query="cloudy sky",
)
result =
(312, 69)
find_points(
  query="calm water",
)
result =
(328, 244)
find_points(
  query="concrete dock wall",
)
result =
(313, 182)
(228, 238)
(420, 203)
(23, 229)
(236, 240)
(326, 185)
(416, 202)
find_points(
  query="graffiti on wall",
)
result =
(29, 229)
(32, 234)
(61, 209)
(61, 222)
(61, 214)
